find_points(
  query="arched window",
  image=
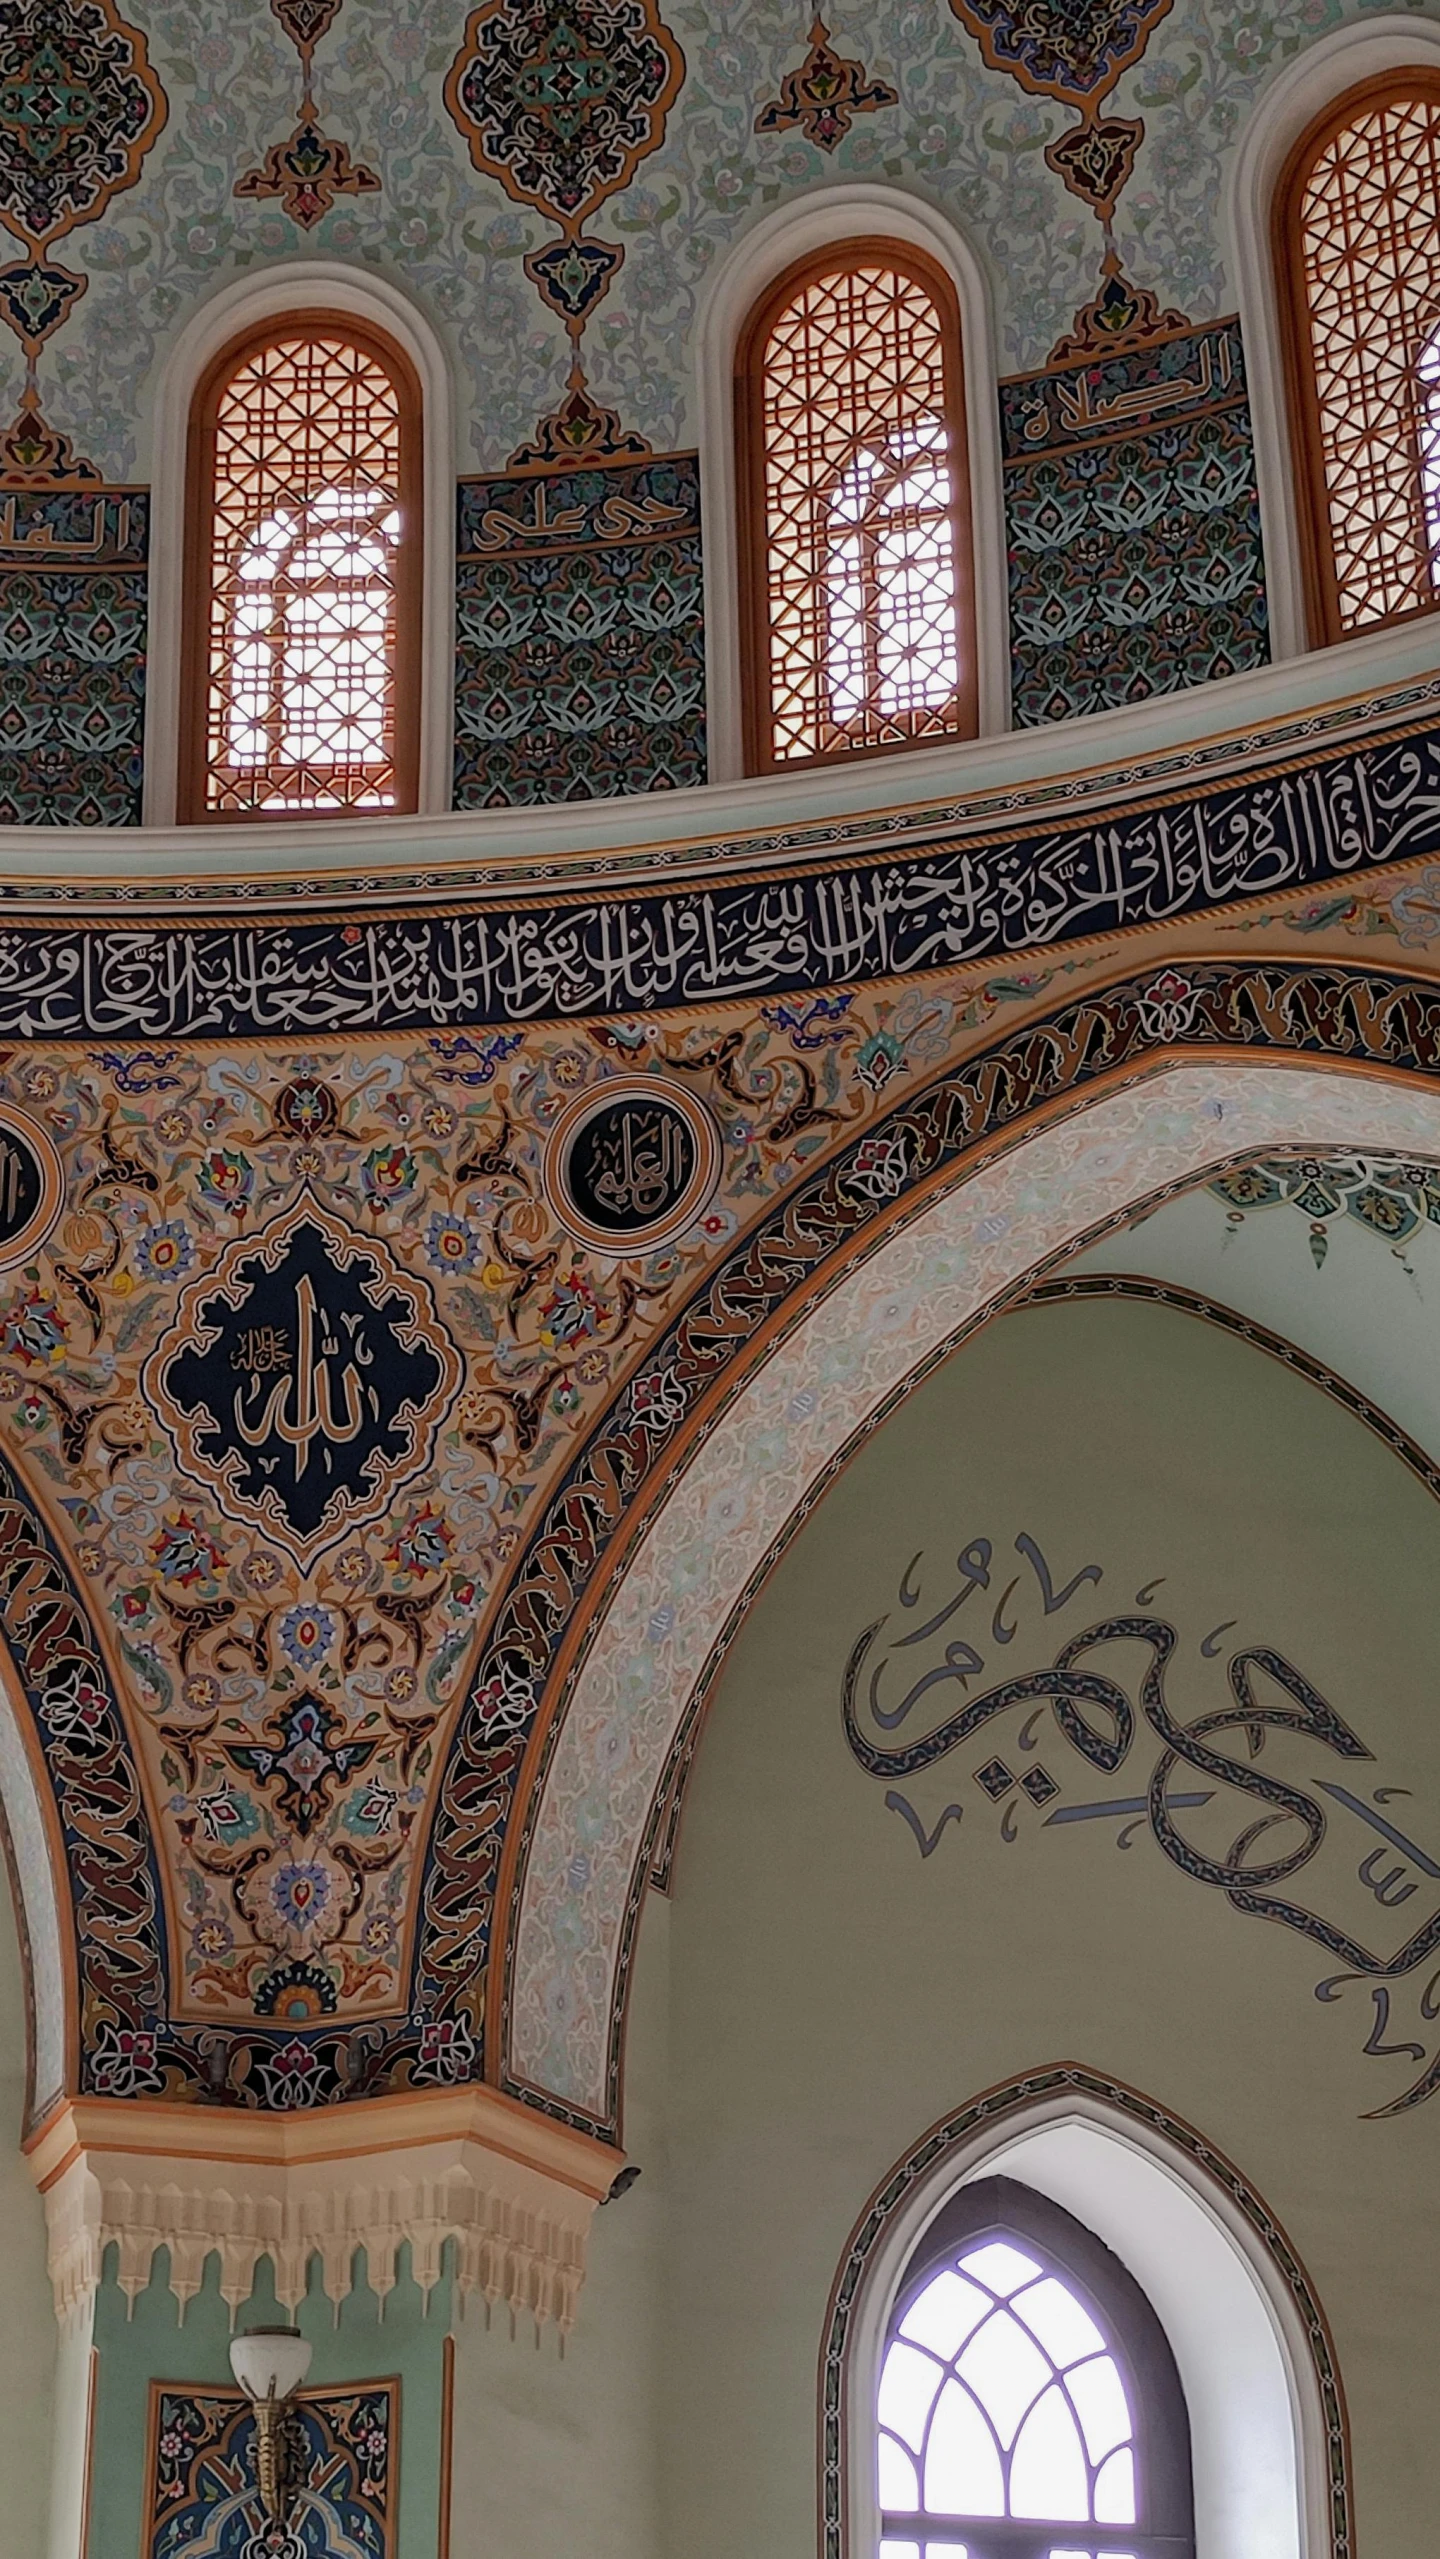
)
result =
(1029, 2406)
(1358, 254)
(856, 562)
(301, 657)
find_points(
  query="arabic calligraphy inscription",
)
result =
(1089, 1702)
(31, 1187)
(633, 1165)
(304, 1378)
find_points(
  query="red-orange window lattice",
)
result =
(302, 630)
(856, 568)
(1357, 247)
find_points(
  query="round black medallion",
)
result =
(632, 1164)
(31, 1187)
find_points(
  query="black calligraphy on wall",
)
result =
(1279, 1841)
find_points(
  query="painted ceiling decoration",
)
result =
(342, 1379)
(80, 106)
(824, 96)
(559, 107)
(308, 170)
(1076, 54)
(561, 100)
(545, 1631)
(1392, 1202)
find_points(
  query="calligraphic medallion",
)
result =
(32, 1187)
(304, 1378)
(632, 1164)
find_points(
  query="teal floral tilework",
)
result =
(1133, 527)
(72, 656)
(580, 643)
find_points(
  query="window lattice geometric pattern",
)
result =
(1001, 2404)
(860, 539)
(304, 551)
(1370, 235)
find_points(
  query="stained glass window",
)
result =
(1013, 2418)
(854, 463)
(306, 523)
(1360, 251)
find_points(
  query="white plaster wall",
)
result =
(832, 1994)
(28, 2333)
(556, 2459)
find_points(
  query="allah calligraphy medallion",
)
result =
(304, 1378)
(632, 1164)
(32, 1187)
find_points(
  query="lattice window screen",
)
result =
(860, 563)
(304, 554)
(1370, 236)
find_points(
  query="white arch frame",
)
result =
(824, 218)
(38, 1912)
(1258, 2431)
(1362, 51)
(301, 284)
(747, 1485)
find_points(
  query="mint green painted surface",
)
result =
(27, 2332)
(154, 2346)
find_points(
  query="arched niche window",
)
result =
(303, 586)
(1358, 257)
(855, 554)
(1029, 2406)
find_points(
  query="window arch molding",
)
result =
(252, 303)
(830, 219)
(26, 1848)
(1268, 2428)
(1350, 58)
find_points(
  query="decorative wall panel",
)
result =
(344, 2451)
(72, 656)
(580, 634)
(322, 1401)
(1133, 524)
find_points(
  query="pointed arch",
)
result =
(1255, 2355)
(1059, 1133)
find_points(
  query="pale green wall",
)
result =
(832, 1994)
(557, 2459)
(27, 2328)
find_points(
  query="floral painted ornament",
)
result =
(825, 95)
(561, 100)
(1074, 51)
(308, 169)
(80, 107)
